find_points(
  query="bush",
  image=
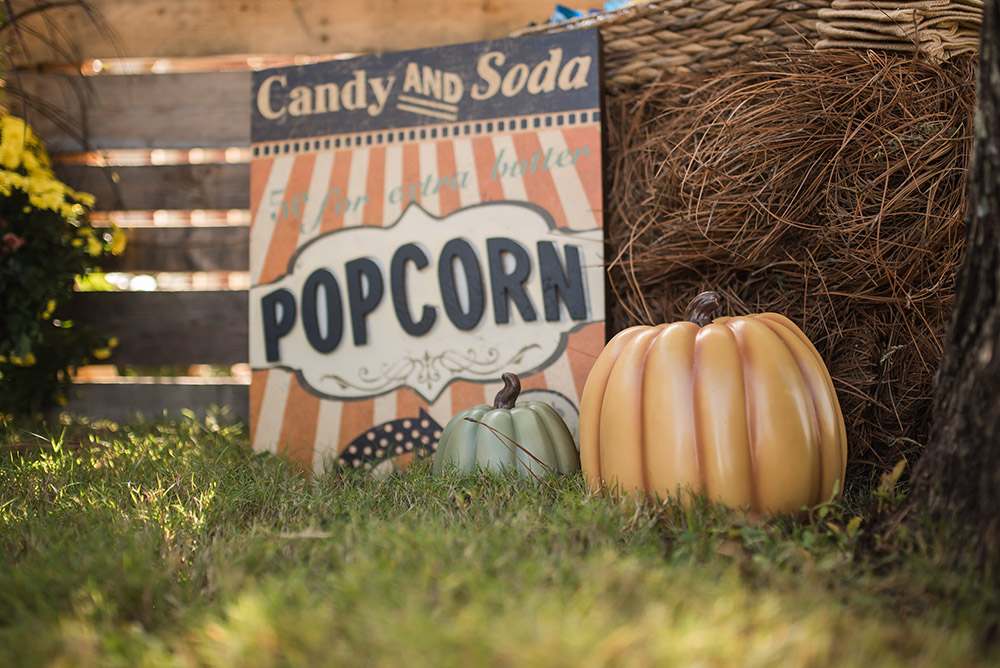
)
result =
(46, 243)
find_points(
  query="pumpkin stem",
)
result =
(702, 308)
(507, 397)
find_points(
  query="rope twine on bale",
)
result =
(934, 29)
(646, 40)
(827, 186)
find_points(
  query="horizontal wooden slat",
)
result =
(123, 399)
(151, 187)
(159, 28)
(168, 328)
(74, 113)
(149, 249)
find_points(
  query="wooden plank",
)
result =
(75, 113)
(178, 28)
(151, 187)
(125, 398)
(220, 248)
(168, 328)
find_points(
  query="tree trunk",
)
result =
(957, 480)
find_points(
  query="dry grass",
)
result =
(826, 186)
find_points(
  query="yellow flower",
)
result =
(25, 165)
(27, 360)
(61, 400)
(118, 241)
(49, 308)
(45, 191)
(113, 342)
(76, 243)
(13, 133)
(9, 181)
(3, 358)
(86, 199)
(101, 353)
(94, 247)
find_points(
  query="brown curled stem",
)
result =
(507, 397)
(702, 308)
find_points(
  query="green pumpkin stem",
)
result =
(507, 397)
(702, 308)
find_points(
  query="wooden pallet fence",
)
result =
(198, 28)
(130, 118)
(165, 111)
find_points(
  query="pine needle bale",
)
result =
(827, 186)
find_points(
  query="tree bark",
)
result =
(957, 480)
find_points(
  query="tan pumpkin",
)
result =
(740, 408)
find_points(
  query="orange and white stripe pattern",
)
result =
(443, 168)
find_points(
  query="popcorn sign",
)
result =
(422, 222)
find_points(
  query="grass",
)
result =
(172, 544)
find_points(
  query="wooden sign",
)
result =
(422, 222)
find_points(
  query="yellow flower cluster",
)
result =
(105, 353)
(60, 213)
(27, 360)
(25, 166)
(94, 240)
(49, 310)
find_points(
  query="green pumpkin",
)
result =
(530, 437)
